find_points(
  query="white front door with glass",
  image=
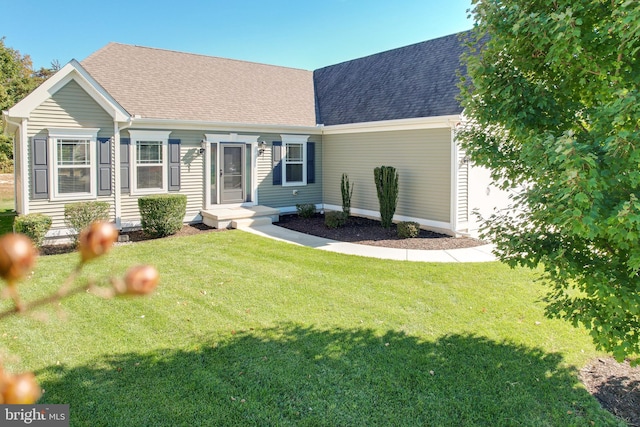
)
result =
(230, 168)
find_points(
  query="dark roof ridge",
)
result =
(436, 40)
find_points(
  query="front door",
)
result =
(232, 173)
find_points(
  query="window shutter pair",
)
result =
(40, 167)
(276, 154)
(173, 165)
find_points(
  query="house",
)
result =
(242, 139)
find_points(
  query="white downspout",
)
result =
(454, 179)
(116, 166)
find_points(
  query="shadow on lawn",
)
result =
(293, 375)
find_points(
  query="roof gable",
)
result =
(163, 84)
(73, 71)
(418, 80)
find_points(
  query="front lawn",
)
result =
(245, 330)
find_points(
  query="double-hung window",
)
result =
(294, 160)
(149, 154)
(74, 162)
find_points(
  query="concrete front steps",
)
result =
(240, 217)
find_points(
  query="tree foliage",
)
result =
(17, 80)
(553, 109)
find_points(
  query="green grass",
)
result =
(249, 331)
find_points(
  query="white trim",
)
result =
(218, 139)
(148, 135)
(24, 163)
(73, 132)
(88, 134)
(300, 140)
(71, 71)
(224, 126)
(392, 125)
(454, 179)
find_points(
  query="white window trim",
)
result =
(148, 135)
(294, 139)
(73, 133)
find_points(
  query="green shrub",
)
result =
(78, 216)
(335, 219)
(306, 210)
(386, 179)
(346, 188)
(162, 214)
(408, 229)
(34, 226)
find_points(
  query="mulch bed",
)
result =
(616, 386)
(365, 231)
(132, 237)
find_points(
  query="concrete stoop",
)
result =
(240, 217)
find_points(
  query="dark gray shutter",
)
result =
(276, 155)
(39, 168)
(104, 166)
(311, 162)
(125, 164)
(174, 165)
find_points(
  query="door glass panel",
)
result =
(233, 173)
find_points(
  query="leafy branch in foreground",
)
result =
(17, 259)
(552, 107)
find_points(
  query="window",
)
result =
(149, 154)
(294, 160)
(149, 164)
(74, 162)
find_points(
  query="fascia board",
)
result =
(222, 126)
(393, 125)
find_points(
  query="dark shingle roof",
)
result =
(418, 80)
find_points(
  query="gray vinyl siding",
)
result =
(70, 107)
(191, 177)
(421, 157)
(277, 196)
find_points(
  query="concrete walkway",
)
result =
(476, 254)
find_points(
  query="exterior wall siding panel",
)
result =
(421, 157)
(70, 107)
(191, 178)
(277, 196)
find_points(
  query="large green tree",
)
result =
(553, 109)
(17, 80)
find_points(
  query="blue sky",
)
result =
(306, 34)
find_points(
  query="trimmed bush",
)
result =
(408, 229)
(162, 214)
(79, 215)
(306, 210)
(34, 226)
(335, 219)
(346, 188)
(386, 179)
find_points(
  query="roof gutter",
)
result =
(222, 126)
(434, 122)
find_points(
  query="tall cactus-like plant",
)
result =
(386, 178)
(347, 191)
